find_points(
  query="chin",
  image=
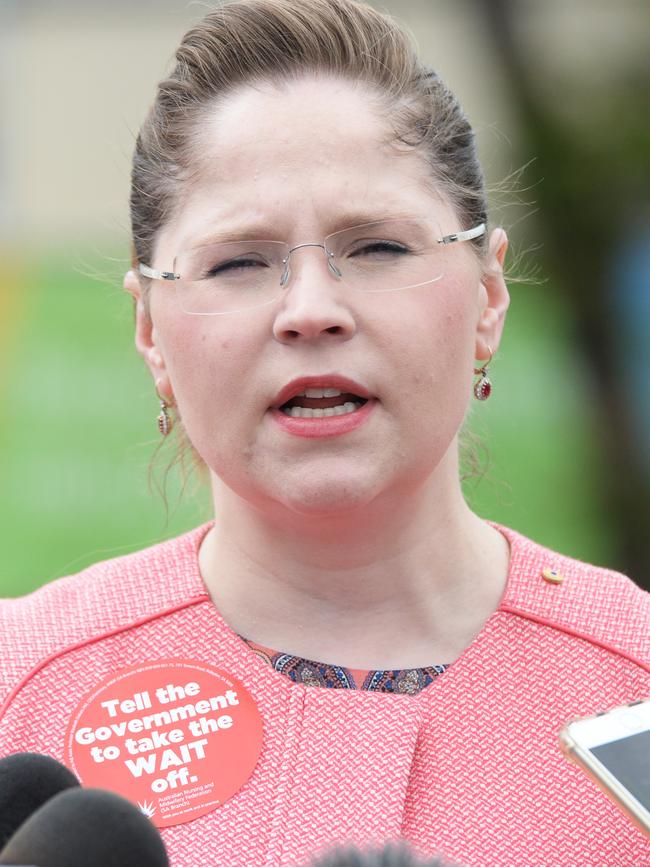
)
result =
(326, 501)
(317, 493)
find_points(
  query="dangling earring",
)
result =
(483, 386)
(165, 421)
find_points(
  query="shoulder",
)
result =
(106, 597)
(593, 603)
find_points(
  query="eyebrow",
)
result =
(261, 232)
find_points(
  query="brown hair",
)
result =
(249, 41)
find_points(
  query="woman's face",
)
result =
(297, 163)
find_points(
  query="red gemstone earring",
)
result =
(165, 421)
(483, 386)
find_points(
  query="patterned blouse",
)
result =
(407, 680)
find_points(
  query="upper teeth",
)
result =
(320, 392)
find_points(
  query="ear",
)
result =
(145, 337)
(494, 297)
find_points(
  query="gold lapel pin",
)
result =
(552, 576)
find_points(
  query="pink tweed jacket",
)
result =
(469, 768)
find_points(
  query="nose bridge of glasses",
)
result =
(287, 262)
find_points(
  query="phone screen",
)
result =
(628, 759)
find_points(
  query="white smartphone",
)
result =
(613, 747)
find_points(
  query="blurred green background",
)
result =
(565, 430)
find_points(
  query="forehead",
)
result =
(299, 156)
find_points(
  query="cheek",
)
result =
(210, 365)
(431, 342)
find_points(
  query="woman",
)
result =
(314, 283)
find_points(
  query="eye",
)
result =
(378, 249)
(235, 266)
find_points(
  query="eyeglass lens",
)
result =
(376, 257)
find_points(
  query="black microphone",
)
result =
(86, 828)
(27, 781)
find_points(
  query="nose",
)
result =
(314, 301)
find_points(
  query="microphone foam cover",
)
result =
(82, 827)
(27, 781)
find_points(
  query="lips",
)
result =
(298, 386)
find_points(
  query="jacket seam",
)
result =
(576, 633)
(70, 648)
(295, 723)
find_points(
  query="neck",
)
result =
(393, 585)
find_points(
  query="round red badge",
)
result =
(176, 737)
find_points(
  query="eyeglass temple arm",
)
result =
(146, 271)
(467, 235)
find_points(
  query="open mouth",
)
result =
(322, 403)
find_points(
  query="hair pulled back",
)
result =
(249, 41)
